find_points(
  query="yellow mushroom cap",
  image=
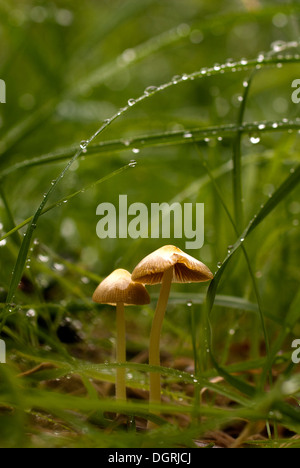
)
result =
(118, 287)
(186, 268)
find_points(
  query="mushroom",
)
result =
(166, 265)
(119, 290)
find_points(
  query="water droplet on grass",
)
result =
(131, 102)
(150, 90)
(176, 78)
(85, 280)
(255, 140)
(43, 258)
(58, 266)
(278, 46)
(129, 55)
(31, 313)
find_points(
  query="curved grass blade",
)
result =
(285, 189)
(32, 224)
(65, 200)
(226, 68)
(237, 156)
(158, 139)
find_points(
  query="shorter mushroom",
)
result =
(119, 290)
(166, 265)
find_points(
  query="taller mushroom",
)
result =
(166, 265)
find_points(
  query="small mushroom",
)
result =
(166, 265)
(119, 290)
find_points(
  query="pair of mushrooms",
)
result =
(166, 265)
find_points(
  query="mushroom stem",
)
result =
(121, 353)
(154, 355)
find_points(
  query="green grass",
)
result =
(120, 81)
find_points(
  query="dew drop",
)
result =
(135, 150)
(255, 140)
(132, 163)
(85, 280)
(261, 58)
(187, 135)
(176, 78)
(278, 46)
(150, 90)
(131, 102)
(43, 258)
(129, 55)
(58, 267)
(31, 313)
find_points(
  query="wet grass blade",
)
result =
(283, 191)
(156, 140)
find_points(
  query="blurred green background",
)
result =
(68, 66)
